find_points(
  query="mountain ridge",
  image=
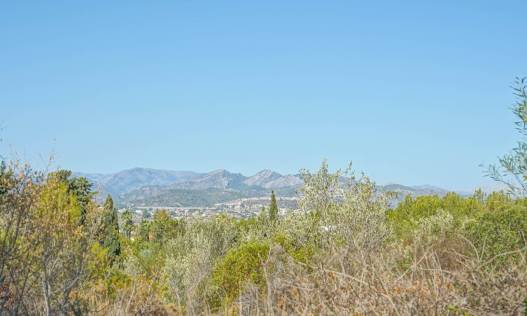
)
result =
(188, 188)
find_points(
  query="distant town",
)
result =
(239, 208)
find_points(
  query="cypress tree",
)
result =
(273, 208)
(111, 230)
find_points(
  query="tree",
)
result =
(321, 189)
(128, 223)
(163, 226)
(19, 190)
(82, 189)
(512, 168)
(110, 239)
(46, 257)
(144, 230)
(273, 208)
(64, 259)
(78, 186)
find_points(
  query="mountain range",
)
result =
(153, 187)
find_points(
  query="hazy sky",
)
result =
(410, 91)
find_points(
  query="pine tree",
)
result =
(273, 208)
(78, 186)
(111, 230)
(82, 188)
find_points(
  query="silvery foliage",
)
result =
(347, 209)
(512, 168)
(191, 258)
(434, 228)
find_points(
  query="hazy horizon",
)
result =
(489, 186)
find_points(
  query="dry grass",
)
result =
(360, 284)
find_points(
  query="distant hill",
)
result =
(125, 181)
(154, 187)
(414, 190)
(217, 179)
(272, 180)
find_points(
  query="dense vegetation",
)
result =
(344, 252)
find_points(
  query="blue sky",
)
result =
(411, 91)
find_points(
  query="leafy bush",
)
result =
(301, 252)
(240, 266)
(496, 234)
(405, 218)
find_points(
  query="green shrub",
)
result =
(494, 224)
(301, 252)
(496, 233)
(408, 215)
(241, 265)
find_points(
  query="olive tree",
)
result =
(512, 167)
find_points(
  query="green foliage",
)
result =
(127, 223)
(46, 257)
(62, 243)
(144, 230)
(406, 217)
(240, 266)
(495, 234)
(80, 187)
(320, 189)
(301, 251)
(189, 197)
(147, 258)
(345, 238)
(273, 208)
(5, 175)
(110, 239)
(163, 227)
(512, 168)
(494, 226)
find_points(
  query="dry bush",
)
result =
(379, 288)
(19, 190)
(139, 298)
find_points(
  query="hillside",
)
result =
(146, 187)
